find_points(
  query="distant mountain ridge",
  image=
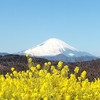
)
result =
(56, 49)
(3, 53)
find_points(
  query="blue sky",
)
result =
(27, 23)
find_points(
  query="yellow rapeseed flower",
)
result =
(67, 97)
(12, 98)
(83, 74)
(60, 64)
(30, 60)
(27, 55)
(45, 64)
(66, 68)
(12, 69)
(45, 98)
(76, 69)
(38, 66)
(49, 63)
(52, 68)
(47, 84)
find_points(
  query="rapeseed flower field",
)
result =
(48, 82)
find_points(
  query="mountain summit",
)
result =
(55, 49)
(51, 47)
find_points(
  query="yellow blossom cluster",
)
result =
(48, 84)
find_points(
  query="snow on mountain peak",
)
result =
(51, 47)
(56, 49)
(59, 43)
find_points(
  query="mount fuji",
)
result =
(56, 49)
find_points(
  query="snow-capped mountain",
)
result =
(55, 49)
